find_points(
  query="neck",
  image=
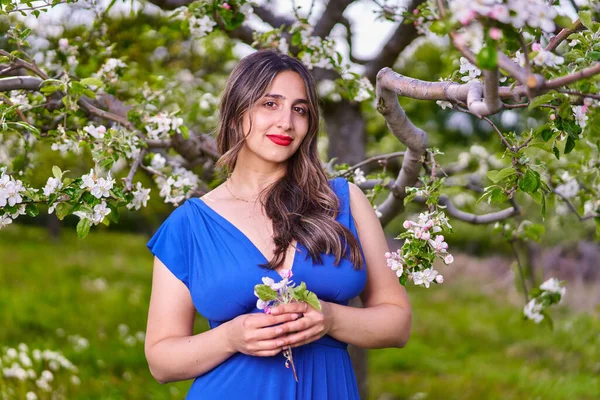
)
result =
(250, 179)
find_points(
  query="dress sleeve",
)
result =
(170, 244)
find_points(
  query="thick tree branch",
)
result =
(274, 20)
(414, 138)
(331, 16)
(474, 218)
(29, 83)
(400, 39)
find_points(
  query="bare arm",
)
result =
(175, 354)
(385, 320)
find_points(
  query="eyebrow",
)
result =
(280, 97)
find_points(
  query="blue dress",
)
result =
(220, 266)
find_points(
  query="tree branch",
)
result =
(400, 39)
(331, 16)
(414, 138)
(568, 79)
(474, 218)
(30, 83)
(563, 34)
(133, 169)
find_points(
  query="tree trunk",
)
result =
(346, 131)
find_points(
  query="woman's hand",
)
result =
(312, 326)
(255, 335)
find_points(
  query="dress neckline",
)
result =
(228, 224)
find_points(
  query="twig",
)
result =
(489, 121)
(134, 166)
(562, 35)
(580, 94)
(574, 209)
(521, 274)
(376, 158)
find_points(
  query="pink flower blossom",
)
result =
(286, 273)
(449, 259)
(407, 224)
(226, 6)
(468, 17)
(495, 33)
(536, 47)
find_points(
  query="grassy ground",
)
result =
(465, 345)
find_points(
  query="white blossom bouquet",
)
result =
(271, 294)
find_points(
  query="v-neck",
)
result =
(224, 221)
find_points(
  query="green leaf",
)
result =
(32, 210)
(57, 172)
(83, 228)
(313, 301)
(547, 134)
(62, 210)
(497, 176)
(543, 206)
(487, 58)
(594, 55)
(556, 152)
(92, 82)
(265, 293)
(185, 133)
(543, 99)
(570, 145)
(296, 39)
(530, 182)
(586, 19)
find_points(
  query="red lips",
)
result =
(280, 140)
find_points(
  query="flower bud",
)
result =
(439, 279)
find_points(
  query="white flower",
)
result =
(98, 187)
(444, 104)
(283, 46)
(425, 277)
(31, 395)
(547, 58)
(532, 311)
(395, 262)
(467, 68)
(246, 9)
(326, 87)
(52, 185)
(448, 259)
(359, 176)
(439, 279)
(552, 285)
(579, 112)
(100, 211)
(47, 375)
(568, 189)
(140, 197)
(200, 27)
(10, 190)
(5, 220)
(364, 91)
(95, 132)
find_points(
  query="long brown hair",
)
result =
(301, 204)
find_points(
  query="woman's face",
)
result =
(279, 121)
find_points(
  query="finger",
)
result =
(295, 307)
(267, 353)
(264, 320)
(301, 324)
(301, 338)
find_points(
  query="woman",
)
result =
(275, 211)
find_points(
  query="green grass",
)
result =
(464, 345)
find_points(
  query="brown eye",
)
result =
(270, 104)
(300, 110)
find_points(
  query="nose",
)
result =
(285, 120)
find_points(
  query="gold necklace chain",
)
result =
(235, 197)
